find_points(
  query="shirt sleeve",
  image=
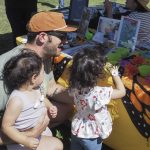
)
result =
(104, 95)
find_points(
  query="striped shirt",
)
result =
(144, 31)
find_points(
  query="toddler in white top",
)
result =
(92, 121)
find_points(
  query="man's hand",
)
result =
(41, 125)
(53, 111)
(32, 143)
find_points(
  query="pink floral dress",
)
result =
(92, 118)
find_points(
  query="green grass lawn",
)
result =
(42, 5)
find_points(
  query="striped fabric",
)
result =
(144, 32)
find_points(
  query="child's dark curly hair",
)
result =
(19, 69)
(87, 67)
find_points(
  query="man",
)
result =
(45, 31)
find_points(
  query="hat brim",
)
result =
(68, 29)
(144, 4)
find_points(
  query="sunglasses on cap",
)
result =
(61, 35)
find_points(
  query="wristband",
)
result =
(115, 73)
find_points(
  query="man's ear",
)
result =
(41, 38)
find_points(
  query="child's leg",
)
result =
(50, 143)
(75, 143)
(92, 144)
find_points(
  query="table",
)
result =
(125, 135)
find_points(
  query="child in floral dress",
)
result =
(92, 122)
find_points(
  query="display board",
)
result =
(128, 32)
(76, 8)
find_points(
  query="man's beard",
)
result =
(50, 51)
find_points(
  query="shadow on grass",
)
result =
(6, 42)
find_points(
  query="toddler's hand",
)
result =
(53, 111)
(114, 71)
(32, 143)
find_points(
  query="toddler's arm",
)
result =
(34, 132)
(119, 90)
(10, 116)
(52, 110)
